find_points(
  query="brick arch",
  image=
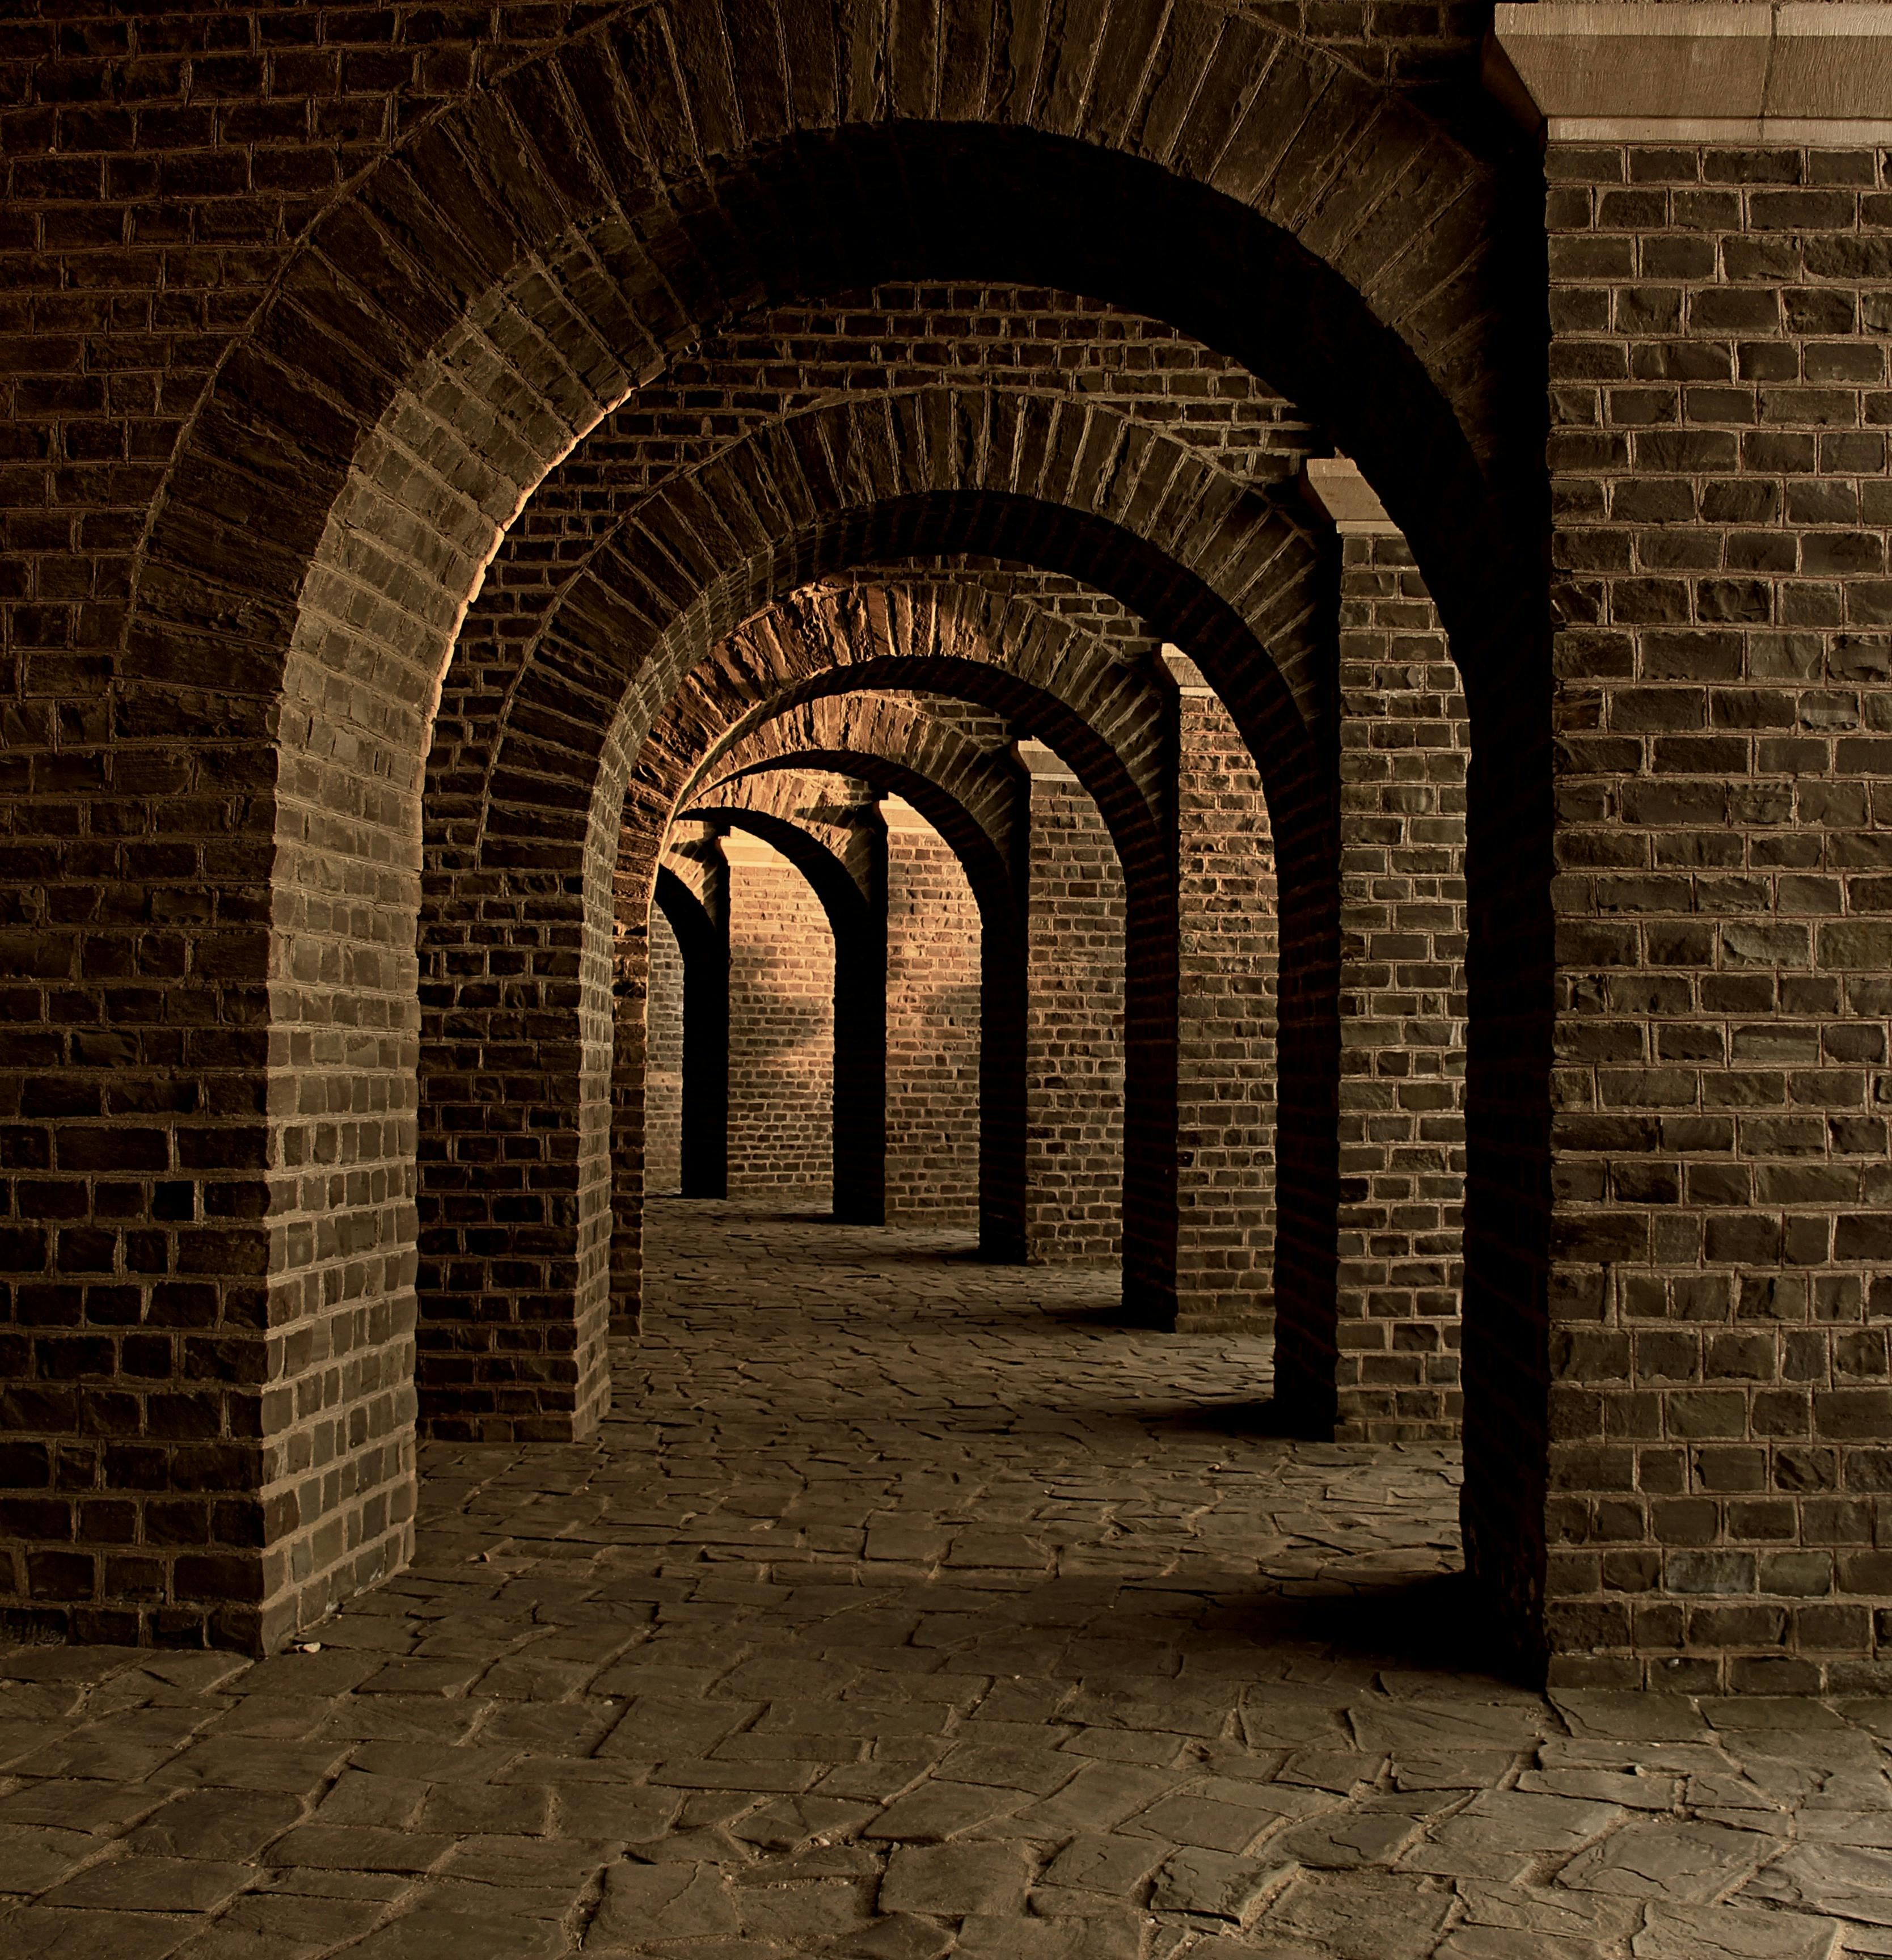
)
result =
(547, 871)
(857, 1102)
(452, 326)
(1075, 490)
(821, 638)
(1055, 483)
(967, 793)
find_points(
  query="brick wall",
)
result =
(240, 766)
(781, 1028)
(933, 961)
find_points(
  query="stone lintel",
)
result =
(1337, 491)
(1812, 72)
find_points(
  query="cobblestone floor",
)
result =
(909, 1606)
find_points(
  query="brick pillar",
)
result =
(1403, 743)
(1715, 1481)
(663, 1059)
(859, 1023)
(781, 1026)
(1004, 978)
(1074, 1026)
(933, 1030)
(694, 899)
(1228, 948)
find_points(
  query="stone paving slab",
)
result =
(908, 1606)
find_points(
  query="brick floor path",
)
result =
(910, 1606)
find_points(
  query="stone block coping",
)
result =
(1816, 72)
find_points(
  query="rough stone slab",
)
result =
(1361, 1915)
(1848, 1882)
(987, 1938)
(1732, 1932)
(1099, 1861)
(41, 1932)
(358, 1848)
(647, 1902)
(1188, 1819)
(136, 1884)
(1491, 1943)
(900, 1937)
(1693, 1863)
(941, 1809)
(951, 1881)
(231, 1764)
(217, 1823)
(1214, 1883)
(32, 1857)
(445, 1935)
(1548, 1912)
(1349, 1840)
(820, 1909)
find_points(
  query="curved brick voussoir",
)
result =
(998, 637)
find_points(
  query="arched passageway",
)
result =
(415, 518)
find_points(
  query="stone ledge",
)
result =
(1815, 72)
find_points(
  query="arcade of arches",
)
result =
(1243, 649)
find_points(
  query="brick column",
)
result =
(1403, 744)
(781, 1026)
(664, 1057)
(860, 1022)
(1228, 943)
(1717, 1511)
(1074, 1026)
(1004, 979)
(933, 1027)
(695, 904)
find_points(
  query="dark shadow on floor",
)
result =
(1437, 1625)
(1262, 1418)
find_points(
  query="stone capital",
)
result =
(1043, 763)
(1188, 677)
(1811, 71)
(1337, 492)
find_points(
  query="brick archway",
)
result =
(963, 790)
(1084, 494)
(857, 927)
(959, 660)
(971, 798)
(453, 325)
